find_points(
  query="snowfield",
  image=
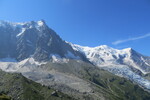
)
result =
(118, 62)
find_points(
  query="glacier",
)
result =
(118, 62)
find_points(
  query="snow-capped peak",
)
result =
(30, 24)
(125, 63)
(102, 55)
(20, 28)
(103, 47)
(41, 22)
(103, 51)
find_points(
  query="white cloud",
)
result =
(130, 39)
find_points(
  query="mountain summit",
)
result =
(105, 55)
(36, 39)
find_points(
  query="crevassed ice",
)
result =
(127, 73)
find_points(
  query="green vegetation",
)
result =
(117, 88)
(110, 86)
(20, 88)
(105, 86)
(4, 97)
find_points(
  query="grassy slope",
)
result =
(4, 97)
(110, 86)
(20, 88)
(119, 88)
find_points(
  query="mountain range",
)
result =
(80, 72)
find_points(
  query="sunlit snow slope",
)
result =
(125, 63)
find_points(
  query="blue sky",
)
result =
(116, 23)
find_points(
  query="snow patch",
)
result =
(145, 61)
(23, 26)
(11, 65)
(71, 55)
(40, 23)
(57, 59)
(22, 31)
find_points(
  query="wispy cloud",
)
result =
(130, 39)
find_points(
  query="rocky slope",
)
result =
(33, 39)
(83, 81)
(17, 87)
(86, 82)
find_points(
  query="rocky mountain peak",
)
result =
(33, 39)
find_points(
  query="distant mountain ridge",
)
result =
(103, 55)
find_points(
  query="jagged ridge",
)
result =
(33, 39)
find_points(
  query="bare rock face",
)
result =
(23, 40)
